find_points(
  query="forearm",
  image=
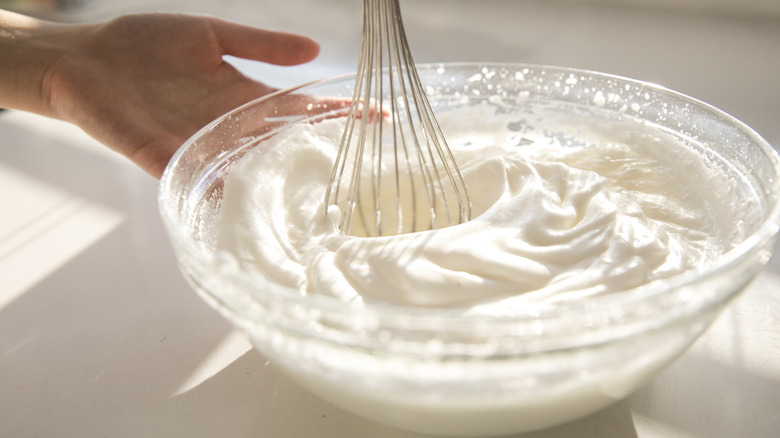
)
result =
(28, 48)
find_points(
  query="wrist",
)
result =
(29, 48)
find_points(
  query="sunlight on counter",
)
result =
(42, 228)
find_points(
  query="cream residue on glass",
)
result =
(550, 223)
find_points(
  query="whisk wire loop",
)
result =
(390, 109)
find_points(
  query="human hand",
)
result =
(142, 84)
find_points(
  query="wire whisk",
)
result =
(394, 171)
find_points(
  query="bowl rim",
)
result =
(754, 242)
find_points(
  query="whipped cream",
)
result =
(552, 221)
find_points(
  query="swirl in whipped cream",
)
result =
(551, 222)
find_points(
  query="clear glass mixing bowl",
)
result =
(436, 370)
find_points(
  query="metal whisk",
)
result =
(394, 170)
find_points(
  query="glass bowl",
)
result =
(439, 371)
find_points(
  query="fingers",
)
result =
(278, 48)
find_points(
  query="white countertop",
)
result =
(101, 337)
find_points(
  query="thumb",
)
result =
(277, 48)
